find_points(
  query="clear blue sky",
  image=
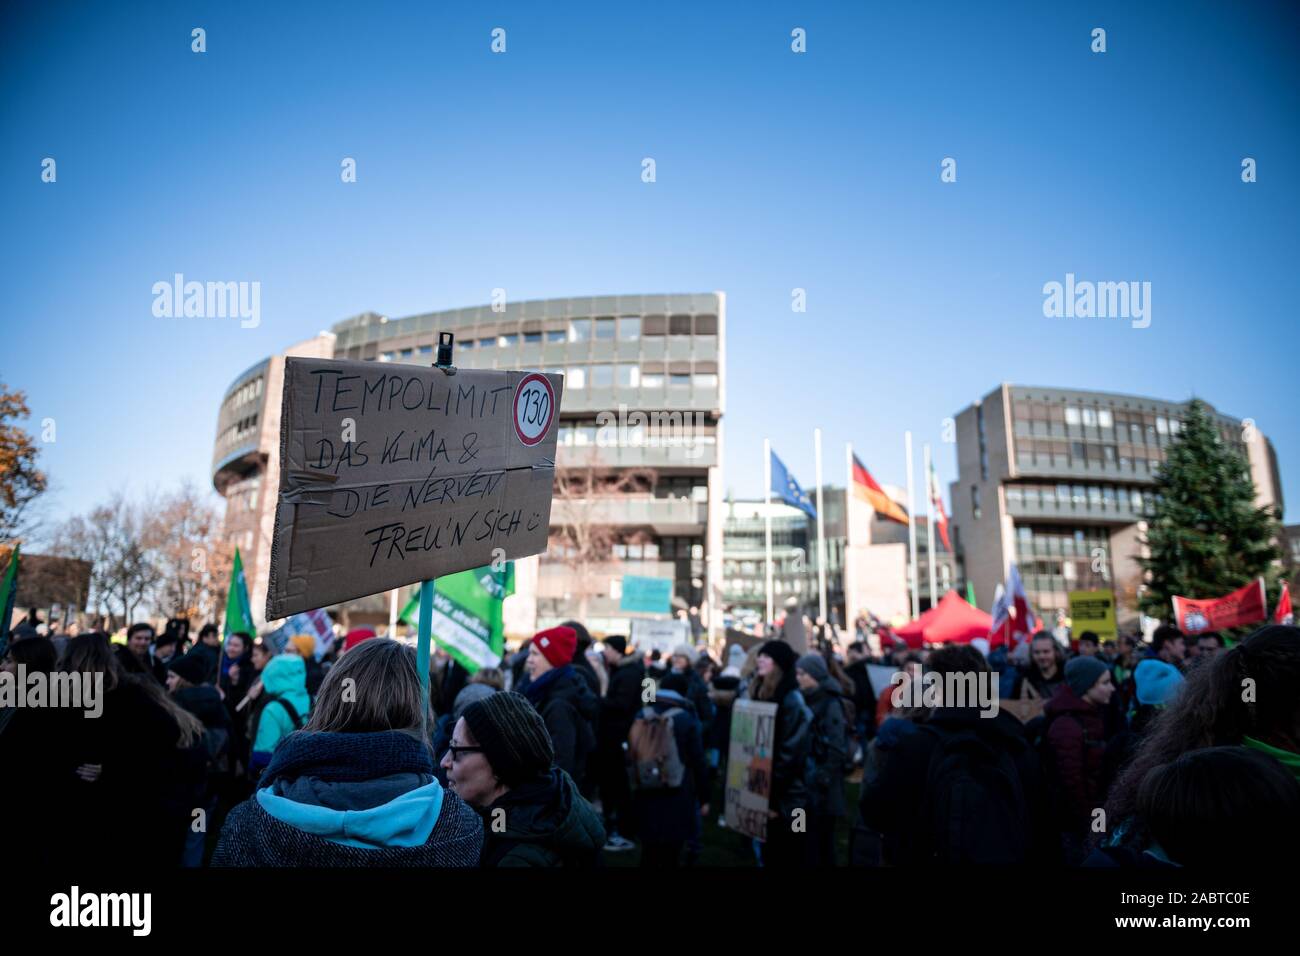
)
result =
(775, 171)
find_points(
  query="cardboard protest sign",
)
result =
(661, 636)
(392, 474)
(1246, 605)
(749, 767)
(1093, 611)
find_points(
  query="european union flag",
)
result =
(787, 489)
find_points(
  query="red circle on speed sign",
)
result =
(534, 408)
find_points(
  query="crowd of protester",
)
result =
(573, 751)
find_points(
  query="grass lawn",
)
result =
(722, 847)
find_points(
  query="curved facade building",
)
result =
(640, 442)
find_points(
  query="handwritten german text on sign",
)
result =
(392, 474)
(749, 767)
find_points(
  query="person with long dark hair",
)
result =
(775, 682)
(1248, 696)
(138, 764)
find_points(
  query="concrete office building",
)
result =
(640, 424)
(1060, 482)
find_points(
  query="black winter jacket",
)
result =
(894, 802)
(547, 823)
(622, 700)
(790, 749)
(569, 709)
(828, 759)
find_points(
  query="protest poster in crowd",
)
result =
(1093, 611)
(393, 474)
(660, 635)
(749, 767)
(1246, 605)
(316, 623)
(468, 620)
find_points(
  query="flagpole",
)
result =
(850, 619)
(821, 529)
(422, 649)
(767, 519)
(929, 520)
(911, 525)
(392, 614)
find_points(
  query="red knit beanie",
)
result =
(356, 637)
(557, 644)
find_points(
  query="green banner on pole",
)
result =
(466, 618)
(239, 613)
(8, 591)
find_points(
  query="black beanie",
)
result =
(618, 642)
(783, 654)
(513, 736)
(190, 667)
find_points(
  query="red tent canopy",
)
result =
(952, 619)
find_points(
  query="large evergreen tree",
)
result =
(1205, 534)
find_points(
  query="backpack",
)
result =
(294, 718)
(974, 808)
(653, 760)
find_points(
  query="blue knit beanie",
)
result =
(1157, 682)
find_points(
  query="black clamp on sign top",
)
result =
(445, 340)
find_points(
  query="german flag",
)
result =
(866, 489)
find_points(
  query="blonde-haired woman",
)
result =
(355, 787)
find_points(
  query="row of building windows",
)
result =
(1094, 496)
(238, 431)
(245, 393)
(1043, 577)
(1041, 419)
(1049, 541)
(621, 375)
(623, 329)
(1077, 454)
(1094, 416)
(742, 587)
(635, 436)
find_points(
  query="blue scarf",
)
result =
(537, 689)
(347, 757)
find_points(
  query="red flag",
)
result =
(936, 501)
(1284, 614)
(1246, 605)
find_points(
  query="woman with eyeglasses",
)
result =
(355, 787)
(501, 762)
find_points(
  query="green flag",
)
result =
(239, 614)
(467, 614)
(970, 594)
(8, 591)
